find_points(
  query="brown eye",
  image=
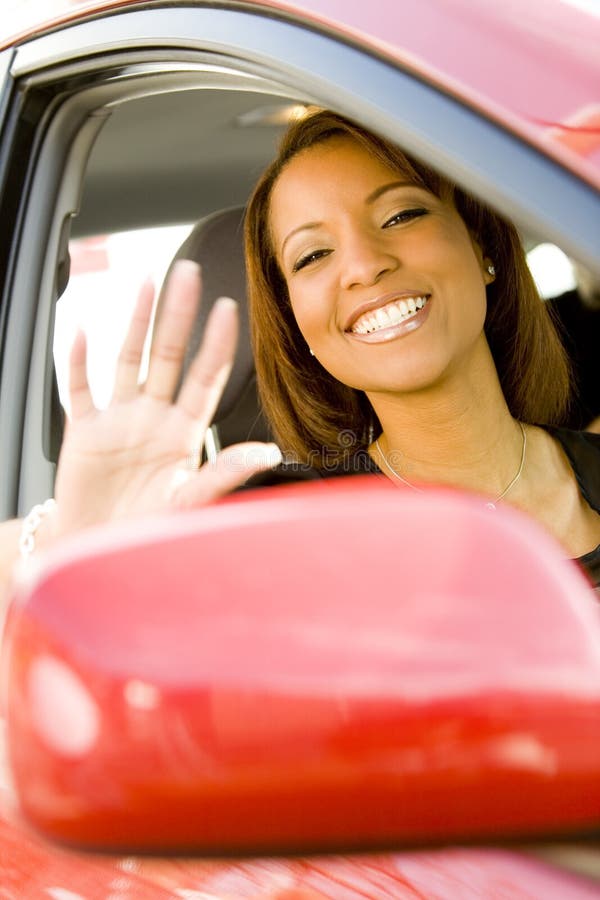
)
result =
(406, 215)
(311, 257)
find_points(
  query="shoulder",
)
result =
(583, 452)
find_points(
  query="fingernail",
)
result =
(187, 266)
(227, 301)
(274, 455)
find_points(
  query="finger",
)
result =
(130, 357)
(80, 397)
(204, 384)
(173, 330)
(232, 467)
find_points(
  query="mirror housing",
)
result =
(336, 664)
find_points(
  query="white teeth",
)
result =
(392, 314)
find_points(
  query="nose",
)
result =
(365, 259)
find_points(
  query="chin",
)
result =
(396, 379)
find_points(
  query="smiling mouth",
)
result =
(394, 313)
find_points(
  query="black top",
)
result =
(580, 331)
(583, 451)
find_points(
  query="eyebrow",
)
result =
(378, 192)
(307, 227)
(373, 196)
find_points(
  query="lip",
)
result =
(395, 331)
(378, 302)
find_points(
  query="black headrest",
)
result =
(217, 244)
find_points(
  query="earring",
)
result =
(312, 352)
(491, 269)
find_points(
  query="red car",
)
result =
(276, 697)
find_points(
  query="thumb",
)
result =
(232, 468)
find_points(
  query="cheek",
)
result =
(465, 260)
(302, 317)
(311, 313)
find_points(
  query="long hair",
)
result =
(312, 414)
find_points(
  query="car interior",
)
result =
(191, 156)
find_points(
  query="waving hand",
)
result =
(142, 453)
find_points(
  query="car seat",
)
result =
(217, 244)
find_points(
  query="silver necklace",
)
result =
(491, 504)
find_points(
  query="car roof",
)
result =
(535, 67)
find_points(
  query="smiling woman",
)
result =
(397, 330)
(342, 184)
(393, 310)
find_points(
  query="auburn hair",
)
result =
(316, 418)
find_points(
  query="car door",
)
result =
(59, 90)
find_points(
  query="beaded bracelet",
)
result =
(31, 523)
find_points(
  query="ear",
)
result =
(489, 270)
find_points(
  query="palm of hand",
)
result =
(141, 454)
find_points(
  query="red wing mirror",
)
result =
(327, 665)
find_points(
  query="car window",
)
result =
(178, 128)
(206, 154)
(552, 270)
(208, 151)
(106, 272)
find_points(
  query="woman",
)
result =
(396, 324)
(388, 308)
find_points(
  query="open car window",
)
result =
(98, 107)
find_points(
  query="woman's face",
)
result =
(385, 281)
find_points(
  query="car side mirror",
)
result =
(328, 665)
